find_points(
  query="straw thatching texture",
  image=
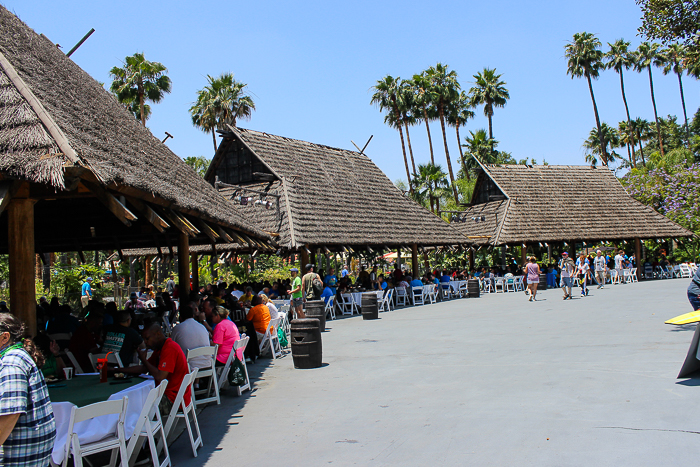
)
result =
(199, 249)
(107, 139)
(561, 203)
(336, 197)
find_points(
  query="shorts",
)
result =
(566, 282)
(165, 406)
(297, 302)
(84, 300)
(694, 300)
(533, 281)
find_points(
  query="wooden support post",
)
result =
(638, 256)
(523, 255)
(414, 260)
(304, 261)
(183, 262)
(148, 276)
(471, 259)
(21, 250)
(195, 272)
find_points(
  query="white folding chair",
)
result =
(615, 276)
(149, 427)
(401, 296)
(167, 328)
(270, 338)
(486, 285)
(330, 307)
(76, 366)
(510, 284)
(223, 377)
(204, 396)
(499, 282)
(182, 410)
(385, 303)
(626, 279)
(417, 294)
(431, 292)
(445, 292)
(520, 284)
(633, 275)
(347, 304)
(115, 442)
(112, 358)
(463, 290)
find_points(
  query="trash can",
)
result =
(316, 309)
(370, 310)
(543, 282)
(307, 350)
(473, 290)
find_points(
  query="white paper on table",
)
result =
(145, 376)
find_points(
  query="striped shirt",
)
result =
(23, 391)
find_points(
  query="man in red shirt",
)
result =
(167, 362)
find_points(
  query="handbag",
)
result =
(236, 374)
(282, 336)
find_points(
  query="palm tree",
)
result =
(627, 137)
(430, 180)
(674, 58)
(386, 96)
(446, 88)
(619, 57)
(642, 129)
(490, 91)
(585, 59)
(222, 101)
(140, 80)
(479, 147)
(424, 100)
(406, 105)
(648, 54)
(459, 113)
(593, 145)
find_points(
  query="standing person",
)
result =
(27, 424)
(331, 280)
(567, 267)
(694, 290)
(533, 277)
(307, 284)
(345, 271)
(600, 266)
(297, 302)
(583, 272)
(86, 292)
(620, 263)
(170, 285)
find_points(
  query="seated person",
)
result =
(122, 339)
(63, 322)
(167, 362)
(225, 335)
(85, 339)
(326, 294)
(259, 315)
(247, 298)
(236, 291)
(445, 280)
(274, 291)
(381, 282)
(416, 283)
(274, 312)
(53, 364)
(191, 334)
(134, 303)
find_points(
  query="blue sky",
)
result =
(310, 65)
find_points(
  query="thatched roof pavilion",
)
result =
(320, 196)
(78, 172)
(521, 204)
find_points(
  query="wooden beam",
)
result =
(222, 233)
(21, 255)
(183, 263)
(195, 271)
(181, 223)
(150, 215)
(112, 203)
(208, 231)
(414, 260)
(7, 190)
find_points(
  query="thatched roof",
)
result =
(327, 196)
(57, 123)
(521, 204)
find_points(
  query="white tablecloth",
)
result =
(455, 285)
(98, 428)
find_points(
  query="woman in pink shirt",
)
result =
(533, 277)
(225, 334)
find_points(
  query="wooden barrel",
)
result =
(543, 282)
(370, 310)
(473, 290)
(316, 309)
(307, 351)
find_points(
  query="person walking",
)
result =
(307, 284)
(620, 263)
(600, 265)
(583, 272)
(86, 292)
(694, 291)
(533, 277)
(297, 299)
(567, 267)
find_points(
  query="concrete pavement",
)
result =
(491, 381)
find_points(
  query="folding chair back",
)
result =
(76, 366)
(271, 339)
(112, 358)
(204, 396)
(417, 295)
(385, 303)
(401, 295)
(182, 410)
(347, 304)
(241, 344)
(149, 426)
(330, 307)
(167, 328)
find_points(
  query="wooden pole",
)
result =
(148, 277)
(523, 255)
(471, 259)
(183, 262)
(194, 271)
(414, 260)
(22, 256)
(638, 256)
(304, 261)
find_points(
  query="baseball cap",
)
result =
(89, 279)
(565, 253)
(294, 270)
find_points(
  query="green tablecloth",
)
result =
(85, 390)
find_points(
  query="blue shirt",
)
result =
(384, 285)
(87, 290)
(327, 294)
(331, 280)
(344, 273)
(416, 283)
(694, 287)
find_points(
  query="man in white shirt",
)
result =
(190, 334)
(600, 266)
(566, 265)
(237, 292)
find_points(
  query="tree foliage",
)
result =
(200, 164)
(671, 21)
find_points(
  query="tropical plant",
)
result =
(618, 58)
(649, 54)
(479, 147)
(674, 58)
(424, 105)
(628, 138)
(490, 91)
(643, 130)
(200, 164)
(672, 21)
(222, 101)
(446, 88)
(586, 59)
(458, 115)
(593, 146)
(406, 104)
(386, 96)
(431, 180)
(140, 80)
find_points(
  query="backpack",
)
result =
(317, 287)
